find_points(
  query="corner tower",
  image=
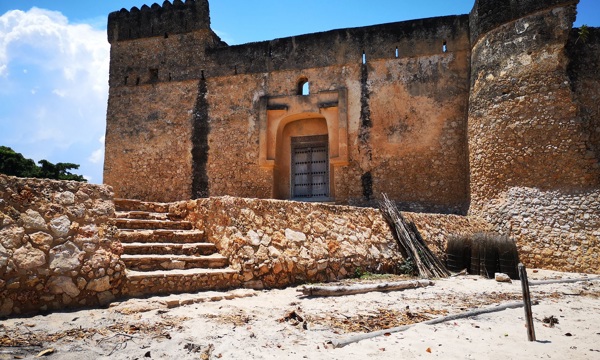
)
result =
(523, 125)
(154, 146)
(534, 168)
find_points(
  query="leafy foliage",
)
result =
(15, 164)
(584, 33)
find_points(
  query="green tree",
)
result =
(15, 164)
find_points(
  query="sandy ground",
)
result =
(282, 324)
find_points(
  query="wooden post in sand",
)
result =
(527, 302)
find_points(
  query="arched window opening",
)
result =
(444, 47)
(364, 57)
(303, 87)
(397, 53)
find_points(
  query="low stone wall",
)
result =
(553, 230)
(278, 243)
(55, 247)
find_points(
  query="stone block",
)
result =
(33, 221)
(62, 285)
(65, 258)
(29, 258)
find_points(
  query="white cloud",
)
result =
(98, 154)
(59, 93)
(65, 66)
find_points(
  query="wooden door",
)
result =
(310, 168)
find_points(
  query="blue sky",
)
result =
(54, 59)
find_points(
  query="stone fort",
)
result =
(443, 114)
(488, 121)
(492, 114)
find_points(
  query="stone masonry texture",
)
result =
(56, 245)
(275, 243)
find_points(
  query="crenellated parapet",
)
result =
(149, 21)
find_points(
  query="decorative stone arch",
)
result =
(285, 117)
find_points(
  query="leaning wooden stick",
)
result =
(356, 338)
(362, 288)
(527, 302)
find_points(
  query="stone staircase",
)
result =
(163, 254)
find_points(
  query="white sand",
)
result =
(253, 327)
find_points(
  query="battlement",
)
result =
(170, 18)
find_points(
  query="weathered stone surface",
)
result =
(65, 198)
(11, 237)
(63, 285)
(29, 258)
(552, 229)
(105, 297)
(65, 258)
(37, 257)
(33, 221)
(99, 285)
(295, 235)
(4, 256)
(6, 307)
(60, 226)
(289, 256)
(42, 240)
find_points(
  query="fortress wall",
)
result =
(166, 143)
(584, 62)
(56, 248)
(553, 229)
(414, 147)
(344, 46)
(489, 15)
(524, 128)
(280, 243)
(415, 150)
(532, 134)
(149, 141)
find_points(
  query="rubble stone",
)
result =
(29, 258)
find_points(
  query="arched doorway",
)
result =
(302, 169)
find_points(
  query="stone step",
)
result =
(135, 224)
(139, 283)
(157, 236)
(172, 262)
(137, 205)
(169, 248)
(145, 215)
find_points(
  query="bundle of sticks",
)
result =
(408, 237)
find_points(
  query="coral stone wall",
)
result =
(584, 63)
(150, 144)
(524, 128)
(184, 111)
(533, 132)
(277, 243)
(55, 245)
(553, 229)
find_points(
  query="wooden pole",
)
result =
(362, 288)
(527, 302)
(338, 343)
